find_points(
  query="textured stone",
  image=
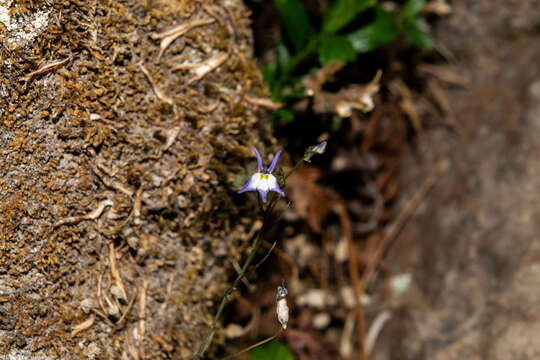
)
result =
(94, 152)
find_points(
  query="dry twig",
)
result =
(439, 95)
(353, 270)
(142, 315)
(87, 324)
(137, 206)
(171, 137)
(115, 273)
(169, 36)
(325, 263)
(267, 103)
(445, 75)
(131, 339)
(157, 91)
(282, 255)
(407, 104)
(395, 228)
(97, 117)
(127, 310)
(72, 220)
(210, 12)
(345, 346)
(232, 28)
(100, 301)
(161, 341)
(254, 345)
(100, 169)
(210, 108)
(375, 329)
(45, 69)
(200, 70)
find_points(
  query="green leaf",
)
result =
(417, 32)
(272, 350)
(412, 8)
(336, 123)
(342, 12)
(296, 91)
(269, 73)
(283, 56)
(286, 115)
(272, 71)
(335, 48)
(381, 31)
(295, 21)
(270, 76)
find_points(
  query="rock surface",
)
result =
(117, 211)
(473, 247)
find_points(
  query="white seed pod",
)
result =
(282, 309)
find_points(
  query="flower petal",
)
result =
(319, 148)
(251, 184)
(259, 159)
(272, 185)
(279, 191)
(263, 183)
(263, 194)
(274, 162)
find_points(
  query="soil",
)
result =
(472, 249)
(117, 178)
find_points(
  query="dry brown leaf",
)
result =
(437, 7)
(343, 102)
(358, 97)
(312, 201)
(315, 83)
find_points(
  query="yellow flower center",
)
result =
(264, 176)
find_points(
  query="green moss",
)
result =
(93, 129)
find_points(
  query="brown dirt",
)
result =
(472, 248)
(90, 134)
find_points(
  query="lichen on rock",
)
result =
(117, 209)
(20, 30)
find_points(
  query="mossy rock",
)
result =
(117, 207)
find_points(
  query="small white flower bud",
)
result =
(314, 150)
(282, 309)
(283, 312)
(319, 148)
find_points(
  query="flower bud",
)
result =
(282, 309)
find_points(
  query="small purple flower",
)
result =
(263, 181)
(319, 148)
(314, 150)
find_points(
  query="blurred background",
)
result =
(415, 236)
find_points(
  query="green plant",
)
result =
(334, 40)
(263, 182)
(271, 351)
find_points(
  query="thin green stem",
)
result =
(254, 345)
(296, 166)
(275, 242)
(254, 247)
(225, 300)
